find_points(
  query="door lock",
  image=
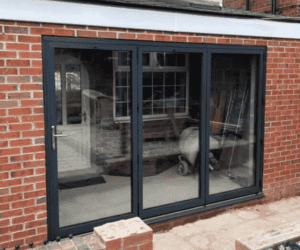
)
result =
(54, 135)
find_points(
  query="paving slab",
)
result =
(221, 231)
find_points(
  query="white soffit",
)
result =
(103, 15)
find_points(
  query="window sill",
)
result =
(202, 209)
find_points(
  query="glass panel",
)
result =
(232, 140)
(94, 158)
(58, 94)
(73, 89)
(171, 134)
(146, 59)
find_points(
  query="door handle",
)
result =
(54, 135)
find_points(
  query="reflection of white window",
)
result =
(165, 85)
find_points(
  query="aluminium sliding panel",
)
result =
(235, 90)
(171, 117)
(70, 203)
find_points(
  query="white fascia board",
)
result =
(122, 17)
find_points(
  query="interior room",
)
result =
(94, 106)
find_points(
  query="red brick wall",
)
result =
(237, 4)
(285, 7)
(22, 152)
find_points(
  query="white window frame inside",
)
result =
(153, 67)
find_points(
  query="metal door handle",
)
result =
(54, 135)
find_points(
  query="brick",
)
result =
(17, 30)
(37, 78)
(29, 39)
(39, 171)
(4, 176)
(126, 36)
(10, 198)
(37, 63)
(22, 142)
(33, 118)
(29, 54)
(2, 96)
(23, 219)
(39, 125)
(31, 86)
(20, 189)
(3, 191)
(31, 103)
(8, 167)
(4, 207)
(112, 35)
(17, 46)
(37, 238)
(19, 127)
(10, 151)
(23, 234)
(31, 71)
(4, 238)
(33, 149)
(40, 208)
(7, 38)
(8, 54)
(22, 157)
(21, 173)
(8, 71)
(13, 243)
(33, 164)
(18, 79)
(10, 229)
(38, 110)
(3, 144)
(13, 63)
(8, 87)
(19, 111)
(43, 215)
(36, 223)
(41, 31)
(83, 33)
(146, 246)
(19, 95)
(41, 185)
(195, 39)
(8, 104)
(145, 37)
(179, 39)
(36, 47)
(162, 38)
(4, 223)
(11, 213)
(33, 133)
(63, 32)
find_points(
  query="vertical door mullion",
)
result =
(206, 122)
(134, 133)
(140, 128)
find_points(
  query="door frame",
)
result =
(156, 214)
(49, 45)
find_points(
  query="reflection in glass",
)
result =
(232, 137)
(94, 159)
(170, 160)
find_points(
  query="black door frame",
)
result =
(137, 47)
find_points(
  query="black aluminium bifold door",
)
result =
(130, 129)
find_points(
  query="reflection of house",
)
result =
(121, 85)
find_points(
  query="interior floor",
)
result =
(78, 205)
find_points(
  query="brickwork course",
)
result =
(23, 209)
